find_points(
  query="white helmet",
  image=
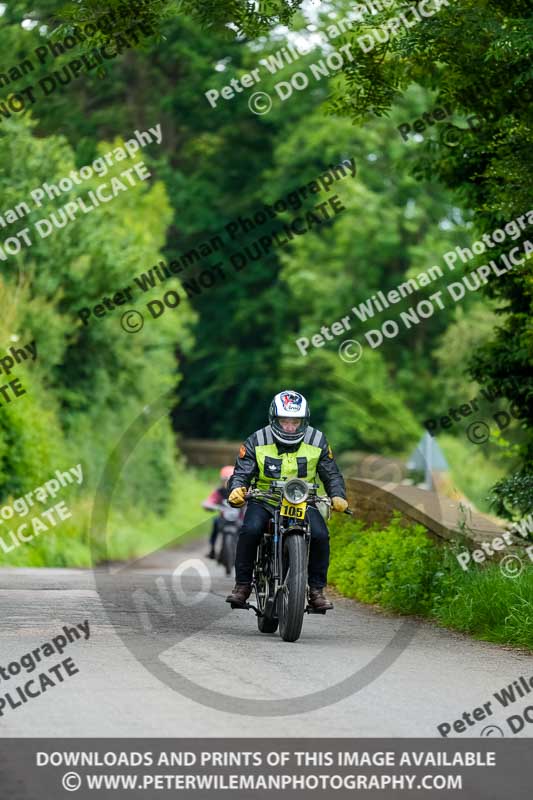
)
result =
(289, 405)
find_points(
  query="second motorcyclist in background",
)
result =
(213, 502)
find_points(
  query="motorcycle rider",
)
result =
(286, 448)
(213, 502)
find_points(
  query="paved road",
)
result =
(149, 630)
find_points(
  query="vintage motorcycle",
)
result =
(230, 525)
(280, 569)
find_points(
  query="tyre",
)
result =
(222, 556)
(267, 622)
(291, 597)
(229, 550)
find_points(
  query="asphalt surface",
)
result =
(167, 657)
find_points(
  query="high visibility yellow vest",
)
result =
(275, 466)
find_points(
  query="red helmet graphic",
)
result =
(292, 401)
(292, 405)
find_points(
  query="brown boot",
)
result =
(318, 601)
(240, 594)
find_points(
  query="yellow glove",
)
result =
(339, 504)
(237, 496)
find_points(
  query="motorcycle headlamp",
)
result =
(230, 514)
(296, 491)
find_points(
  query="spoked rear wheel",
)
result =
(291, 596)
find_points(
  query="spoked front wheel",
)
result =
(291, 596)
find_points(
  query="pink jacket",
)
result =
(215, 499)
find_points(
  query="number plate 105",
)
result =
(296, 510)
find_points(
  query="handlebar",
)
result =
(277, 491)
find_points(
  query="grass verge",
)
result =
(132, 532)
(403, 570)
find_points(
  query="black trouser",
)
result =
(214, 531)
(255, 521)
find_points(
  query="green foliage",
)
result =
(469, 329)
(247, 17)
(31, 439)
(392, 567)
(220, 163)
(489, 606)
(133, 530)
(473, 470)
(402, 569)
(360, 409)
(317, 278)
(237, 347)
(512, 497)
(251, 16)
(89, 383)
(479, 62)
(184, 519)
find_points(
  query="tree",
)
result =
(462, 51)
(93, 378)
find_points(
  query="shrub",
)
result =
(513, 497)
(31, 441)
(402, 569)
(394, 567)
(131, 532)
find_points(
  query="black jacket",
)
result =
(246, 468)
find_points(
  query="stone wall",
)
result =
(209, 452)
(445, 520)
